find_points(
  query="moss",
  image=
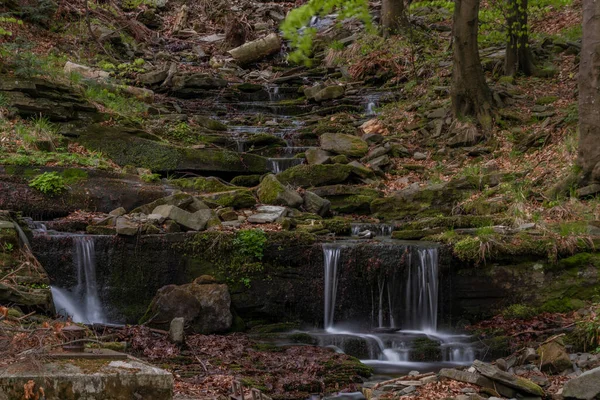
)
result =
(339, 226)
(425, 349)
(562, 305)
(580, 261)
(265, 140)
(533, 388)
(202, 184)
(301, 337)
(520, 311)
(315, 175)
(246, 180)
(340, 159)
(545, 100)
(100, 230)
(74, 175)
(413, 234)
(276, 328)
(270, 190)
(241, 198)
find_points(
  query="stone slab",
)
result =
(88, 379)
(90, 354)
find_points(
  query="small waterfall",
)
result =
(331, 253)
(422, 292)
(81, 302)
(277, 165)
(382, 230)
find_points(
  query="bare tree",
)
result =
(589, 94)
(470, 94)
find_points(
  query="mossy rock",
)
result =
(203, 185)
(240, 198)
(265, 140)
(210, 123)
(425, 349)
(339, 226)
(275, 328)
(315, 175)
(340, 143)
(134, 148)
(246, 180)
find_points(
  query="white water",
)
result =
(81, 302)
(419, 317)
(382, 230)
(277, 165)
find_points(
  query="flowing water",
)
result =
(406, 299)
(82, 301)
(381, 230)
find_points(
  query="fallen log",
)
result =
(257, 49)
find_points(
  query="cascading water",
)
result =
(277, 165)
(383, 230)
(331, 253)
(411, 289)
(81, 302)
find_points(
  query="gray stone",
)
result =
(340, 143)
(180, 200)
(196, 221)
(512, 381)
(588, 190)
(529, 355)
(585, 386)
(99, 379)
(419, 156)
(376, 152)
(316, 204)
(118, 212)
(227, 214)
(317, 156)
(126, 227)
(321, 92)
(380, 162)
(346, 396)
(204, 307)
(407, 390)
(458, 375)
(176, 330)
(271, 191)
(437, 113)
(6, 225)
(267, 214)
(554, 357)
(153, 77)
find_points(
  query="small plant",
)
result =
(8, 247)
(149, 178)
(251, 242)
(518, 311)
(49, 183)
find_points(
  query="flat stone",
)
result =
(516, 382)
(196, 221)
(126, 227)
(585, 386)
(419, 156)
(317, 156)
(88, 378)
(588, 190)
(118, 212)
(176, 330)
(212, 38)
(263, 218)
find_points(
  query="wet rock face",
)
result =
(204, 307)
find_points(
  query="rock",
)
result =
(529, 355)
(315, 204)
(194, 221)
(585, 386)
(257, 49)
(118, 212)
(181, 19)
(554, 357)
(374, 127)
(321, 92)
(458, 375)
(176, 330)
(153, 77)
(520, 384)
(267, 214)
(126, 227)
(340, 159)
(151, 19)
(375, 153)
(380, 162)
(419, 156)
(272, 191)
(189, 85)
(438, 113)
(315, 175)
(204, 307)
(317, 156)
(340, 143)
(180, 200)
(227, 214)
(171, 226)
(346, 396)
(407, 390)
(84, 71)
(240, 198)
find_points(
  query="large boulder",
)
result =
(317, 156)
(554, 357)
(196, 85)
(204, 305)
(316, 204)
(195, 221)
(340, 143)
(271, 191)
(585, 386)
(315, 175)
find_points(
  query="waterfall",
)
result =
(383, 230)
(422, 292)
(331, 254)
(277, 165)
(81, 302)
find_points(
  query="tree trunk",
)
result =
(392, 16)
(589, 94)
(518, 54)
(470, 94)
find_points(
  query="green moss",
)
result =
(580, 261)
(270, 190)
(519, 311)
(302, 337)
(562, 305)
(241, 198)
(305, 175)
(425, 349)
(339, 226)
(545, 100)
(246, 180)
(262, 140)
(202, 184)
(74, 175)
